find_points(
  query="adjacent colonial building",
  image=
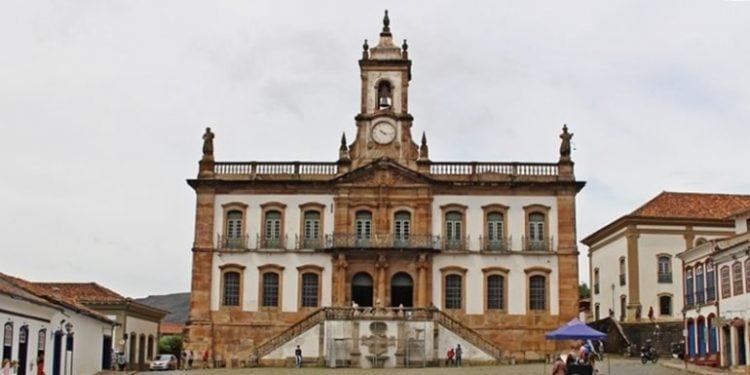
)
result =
(136, 334)
(634, 270)
(717, 297)
(383, 257)
(50, 331)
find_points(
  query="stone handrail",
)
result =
(275, 168)
(304, 168)
(368, 313)
(293, 331)
(474, 168)
(467, 334)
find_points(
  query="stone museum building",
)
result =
(383, 257)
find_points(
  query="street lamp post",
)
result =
(613, 301)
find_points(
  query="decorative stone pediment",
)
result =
(383, 172)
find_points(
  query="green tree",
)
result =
(584, 291)
(171, 344)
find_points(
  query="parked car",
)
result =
(164, 362)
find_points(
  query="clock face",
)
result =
(383, 133)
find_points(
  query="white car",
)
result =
(164, 362)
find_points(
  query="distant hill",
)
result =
(177, 303)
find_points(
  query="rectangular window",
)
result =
(495, 292)
(700, 295)
(537, 293)
(689, 291)
(231, 289)
(364, 229)
(726, 292)
(270, 289)
(737, 279)
(311, 235)
(453, 292)
(309, 290)
(665, 305)
(710, 283)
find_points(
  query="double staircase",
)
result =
(384, 314)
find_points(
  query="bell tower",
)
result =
(384, 123)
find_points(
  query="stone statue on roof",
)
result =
(565, 144)
(208, 143)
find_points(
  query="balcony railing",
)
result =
(689, 299)
(512, 169)
(272, 243)
(710, 294)
(665, 278)
(455, 244)
(700, 297)
(381, 241)
(233, 243)
(536, 245)
(501, 244)
(275, 168)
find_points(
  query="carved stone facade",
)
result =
(491, 245)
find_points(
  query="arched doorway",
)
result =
(402, 290)
(362, 289)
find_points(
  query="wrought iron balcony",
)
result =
(700, 297)
(689, 299)
(491, 245)
(381, 241)
(665, 278)
(710, 294)
(536, 245)
(272, 243)
(232, 243)
(309, 243)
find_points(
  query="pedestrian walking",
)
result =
(298, 357)
(459, 354)
(191, 357)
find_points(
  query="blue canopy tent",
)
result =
(577, 330)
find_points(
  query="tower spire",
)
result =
(386, 25)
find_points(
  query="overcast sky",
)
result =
(103, 104)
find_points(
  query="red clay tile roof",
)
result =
(83, 292)
(170, 328)
(51, 296)
(693, 205)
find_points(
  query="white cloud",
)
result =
(102, 105)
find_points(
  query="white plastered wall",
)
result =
(292, 214)
(474, 221)
(516, 283)
(607, 259)
(289, 280)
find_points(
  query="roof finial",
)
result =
(343, 150)
(386, 24)
(424, 151)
